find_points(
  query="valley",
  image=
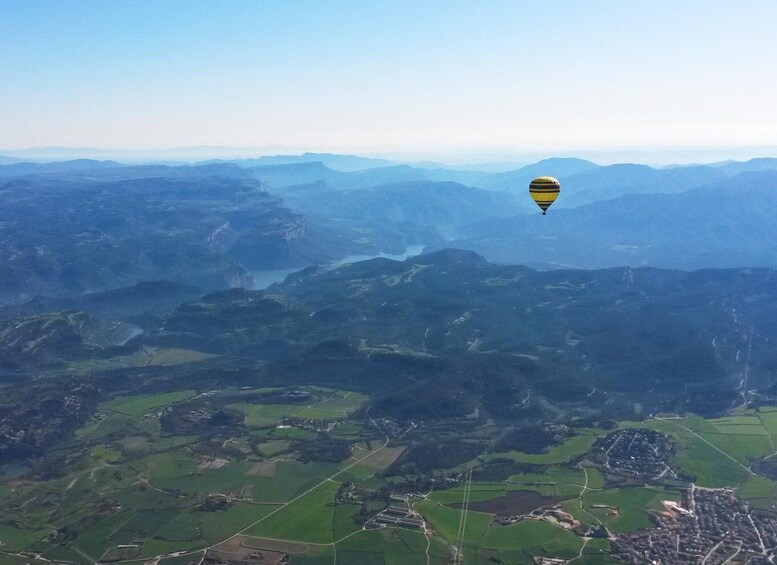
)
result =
(388, 283)
(263, 279)
(325, 419)
(303, 474)
(306, 373)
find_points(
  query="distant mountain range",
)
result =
(605, 183)
(732, 223)
(74, 236)
(273, 176)
(583, 182)
(753, 165)
(345, 163)
(519, 179)
(168, 155)
(88, 226)
(17, 169)
(279, 176)
(439, 206)
(91, 170)
(4, 160)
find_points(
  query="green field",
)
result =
(760, 492)
(239, 516)
(632, 506)
(106, 453)
(390, 546)
(139, 405)
(565, 481)
(358, 474)
(178, 471)
(263, 415)
(307, 519)
(768, 420)
(272, 448)
(163, 491)
(478, 492)
(159, 481)
(17, 539)
(330, 405)
(163, 357)
(532, 538)
(336, 405)
(561, 453)
(445, 521)
(701, 454)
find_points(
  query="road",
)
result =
(686, 428)
(263, 518)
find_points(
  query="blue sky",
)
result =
(388, 76)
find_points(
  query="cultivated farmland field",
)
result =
(305, 471)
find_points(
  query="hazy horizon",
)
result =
(655, 156)
(431, 79)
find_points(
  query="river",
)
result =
(263, 279)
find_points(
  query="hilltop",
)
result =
(578, 338)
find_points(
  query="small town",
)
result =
(639, 453)
(711, 527)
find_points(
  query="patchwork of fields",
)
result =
(156, 478)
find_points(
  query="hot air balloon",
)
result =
(544, 191)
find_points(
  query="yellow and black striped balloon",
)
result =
(544, 191)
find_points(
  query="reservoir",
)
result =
(263, 279)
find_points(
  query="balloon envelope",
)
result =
(544, 191)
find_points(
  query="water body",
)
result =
(263, 279)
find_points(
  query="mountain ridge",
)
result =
(708, 226)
